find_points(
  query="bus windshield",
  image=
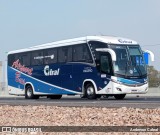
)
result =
(130, 61)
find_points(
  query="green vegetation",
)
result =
(153, 76)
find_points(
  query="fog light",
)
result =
(119, 89)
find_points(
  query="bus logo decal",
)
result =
(19, 79)
(22, 68)
(87, 69)
(50, 72)
(125, 41)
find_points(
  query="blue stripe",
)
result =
(39, 85)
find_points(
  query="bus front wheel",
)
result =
(119, 96)
(90, 91)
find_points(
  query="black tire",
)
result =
(83, 96)
(55, 96)
(29, 93)
(90, 91)
(36, 97)
(119, 96)
(98, 96)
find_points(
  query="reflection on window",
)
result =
(26, 59)
(37, 58)
(105, 66)
(50, 56)
(81, 53)
(134, 51)
(65, 54)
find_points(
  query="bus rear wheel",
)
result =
(29, 93)
(119, 96)
(90, 91)
(55, 96)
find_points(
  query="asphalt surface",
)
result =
(76, 101)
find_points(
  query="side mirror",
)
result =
(112, 53)
(146, 54)
(146, 57)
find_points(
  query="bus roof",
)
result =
(105, 39)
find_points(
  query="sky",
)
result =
(25, 23)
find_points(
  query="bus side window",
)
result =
(61, 54)
(11, 59)
(77, 53)
(25, 59)
(18, 57)
(65, 54)
(50, 56)
(87, 54)
(37, 58)
(69, 54)
(81, 53)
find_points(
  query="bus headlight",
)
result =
(116, 81)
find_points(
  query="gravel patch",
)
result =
(78, 116)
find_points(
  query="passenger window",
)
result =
(65, 54)
(69, 54)
(81, 53)
(61, 54)
(18, 57)
(25, 59)
(11, 59)
(50, 56)
(37, 58)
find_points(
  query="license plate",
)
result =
(134, 91)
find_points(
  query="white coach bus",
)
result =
(91, 66)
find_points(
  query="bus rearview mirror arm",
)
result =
(112, 53)
(151, 54)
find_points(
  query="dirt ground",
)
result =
(78, 116)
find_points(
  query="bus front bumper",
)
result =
(123, 89)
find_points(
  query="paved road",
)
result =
(129, 101)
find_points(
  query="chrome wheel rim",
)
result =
(29, 92)
(90, 91)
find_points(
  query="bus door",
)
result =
(106, 63)
(106, 69)
(66, 77)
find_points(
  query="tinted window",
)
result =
(24, 59)
(65, 54)
(94, 45)
(37, 58)
(106, 64)
(134, 51)
(18, 56)
(69, 54)
(50, 56)
(11, 59)
(61, 54)
(81, 53)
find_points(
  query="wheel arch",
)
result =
(27, 84)
(85, 82)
